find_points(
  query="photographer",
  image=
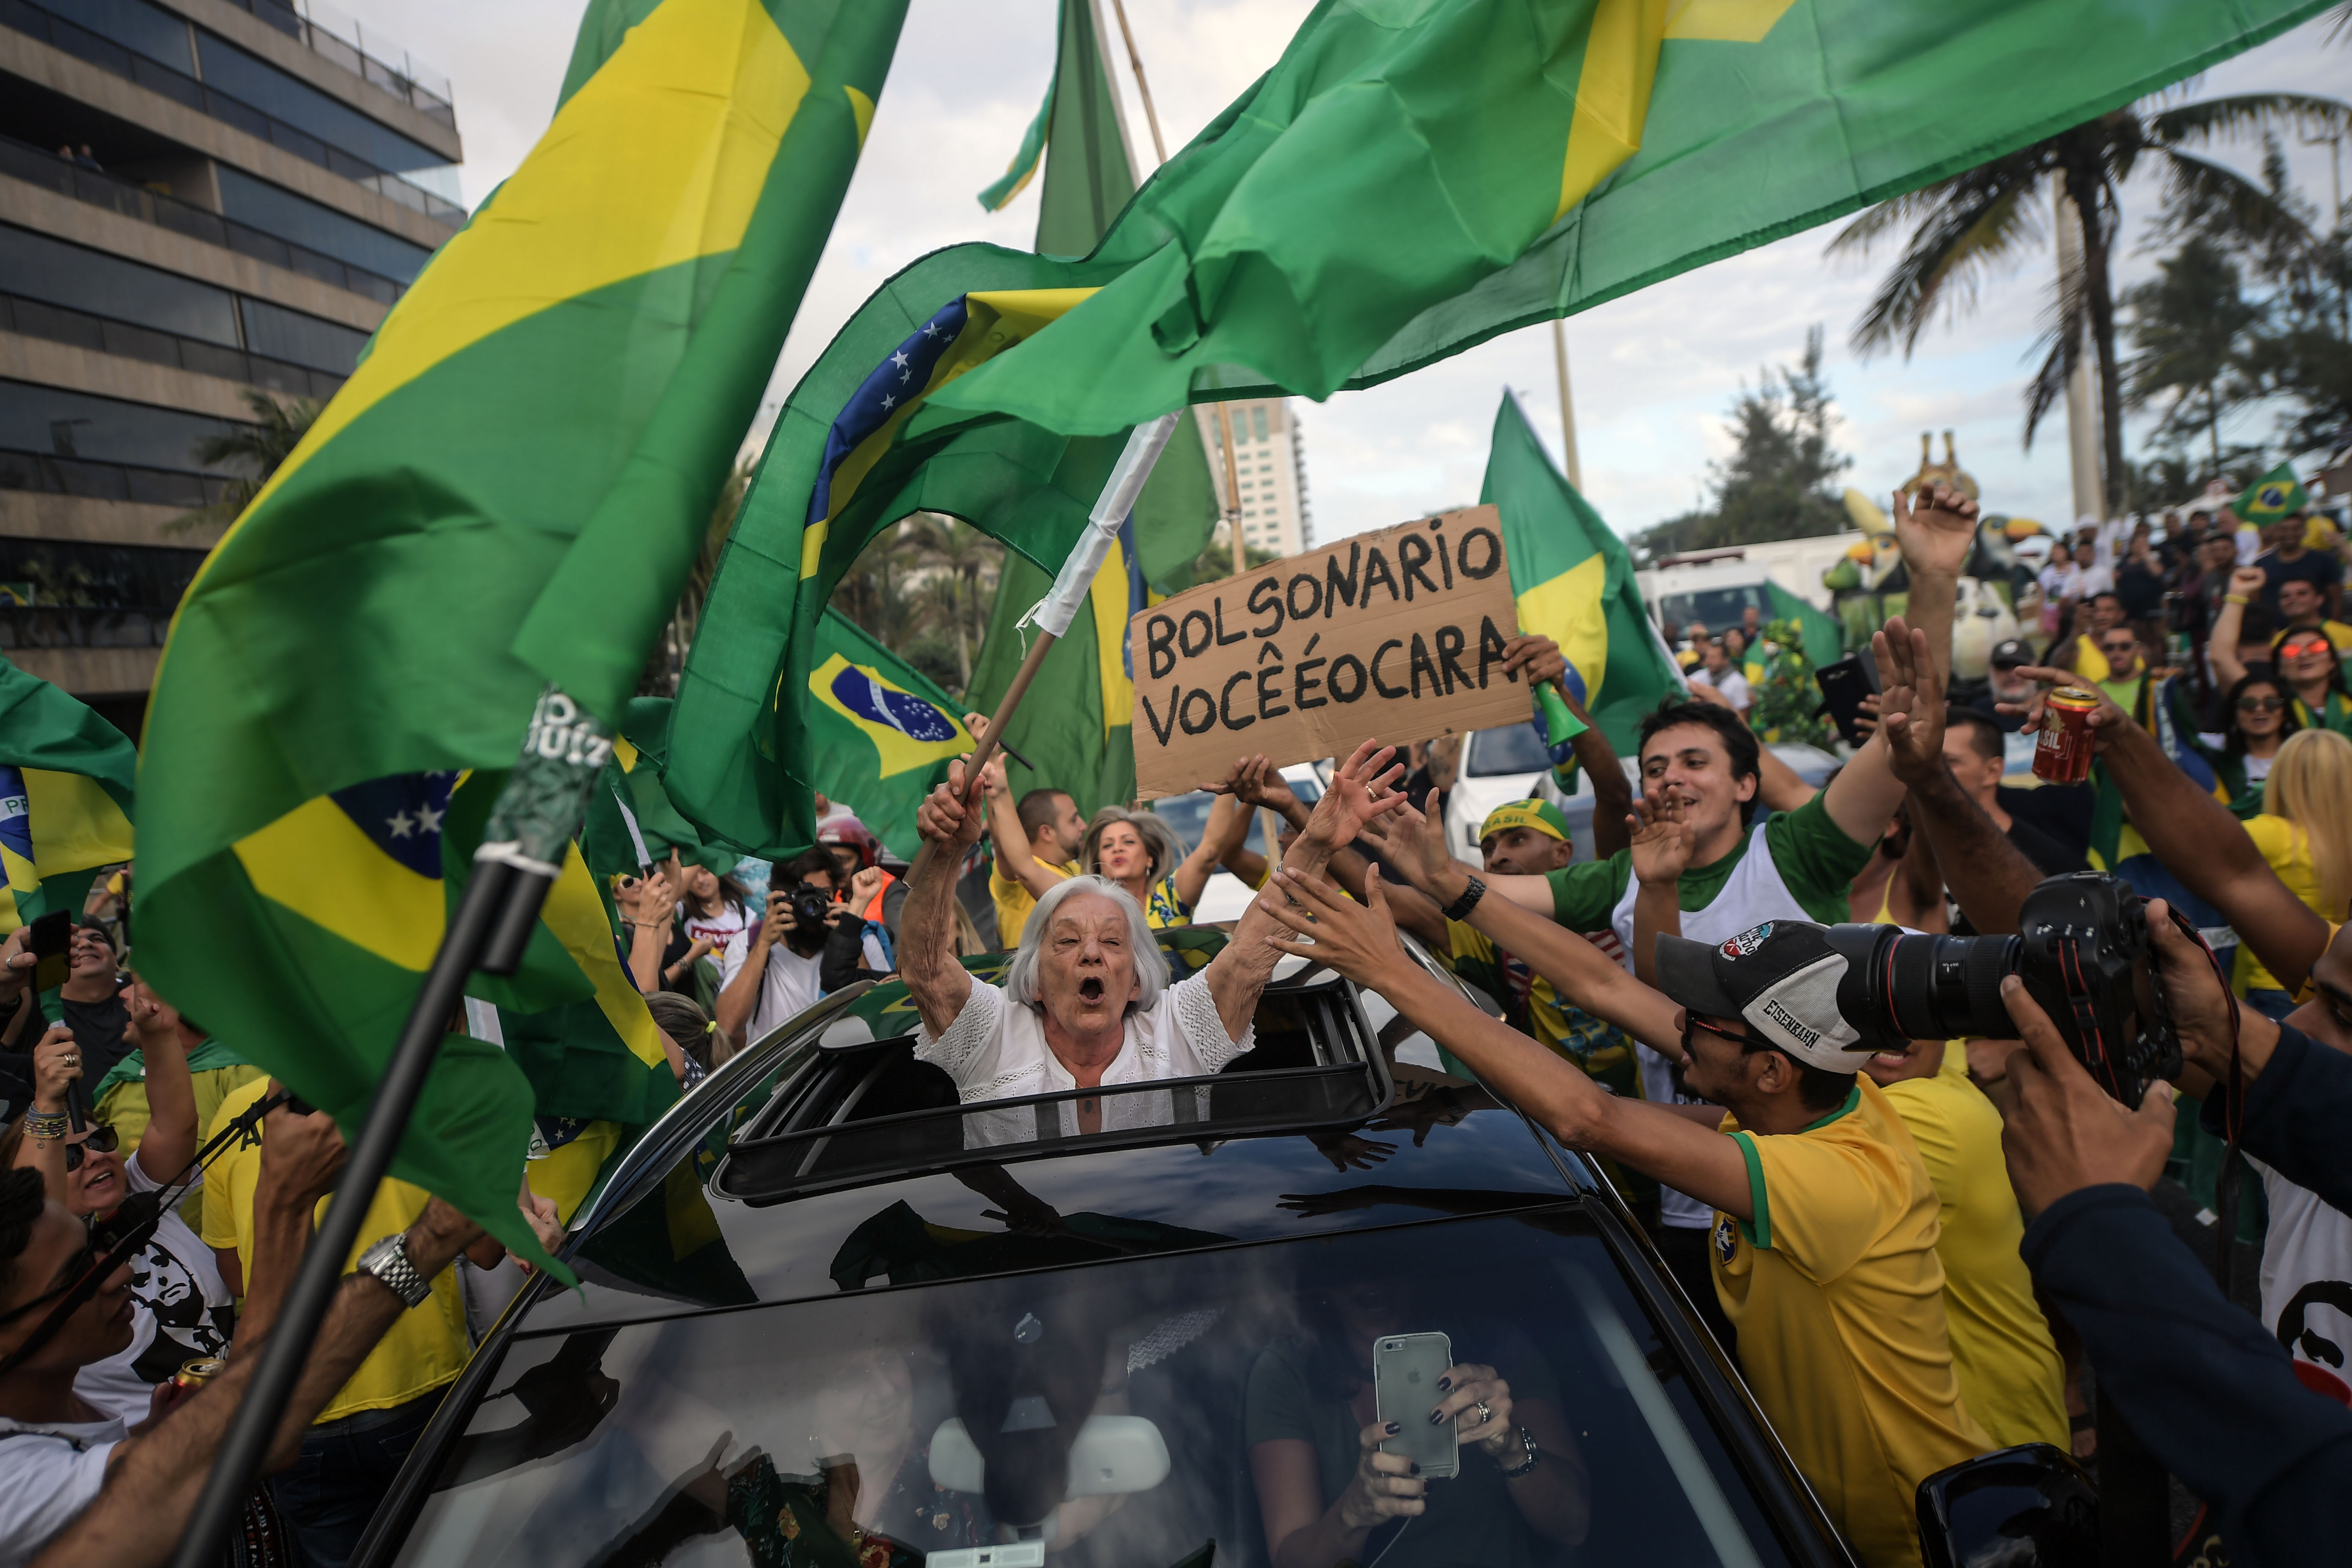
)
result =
(775, 973)
(1823, 1242)
(2215, 1396)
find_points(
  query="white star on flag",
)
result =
(899, 359)
(930, 328)
(888, 401)
(428, 819)
(401, 825)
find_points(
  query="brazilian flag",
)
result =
(881, 734)
(509, 491)
(66, 790)
(1573, 579)
(2272, 497)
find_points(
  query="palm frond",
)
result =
(1950, 254)
(2229, 201)
(2251, 113)
(2065, 323)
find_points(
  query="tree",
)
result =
(668, 659)
(2187, 324)
(1776, 483)
(277, 427)
(959, 556)
(1965, 228)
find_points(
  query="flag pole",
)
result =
(1052, 615)
(522, 854)
(1232, 488)
(1569, 465)
(1135, 62)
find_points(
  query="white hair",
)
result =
(1150, 963)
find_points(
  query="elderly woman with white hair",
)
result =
(1087, 1001)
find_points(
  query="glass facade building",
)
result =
(198, 207)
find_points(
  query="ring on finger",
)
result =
(1486, 1412)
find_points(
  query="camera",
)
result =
(809, 904)
(2083, 951)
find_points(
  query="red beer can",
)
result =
(2062, 752)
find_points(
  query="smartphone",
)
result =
(1405, 1370)
(51, 942)
(1844, 683)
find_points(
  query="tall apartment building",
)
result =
(1271, 465)
(198, 199)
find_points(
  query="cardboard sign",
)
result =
(1397, 635)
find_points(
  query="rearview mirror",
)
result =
(2027, 1507)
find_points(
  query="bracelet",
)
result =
(46, 1125)
(1460, 908)
(2235, 599)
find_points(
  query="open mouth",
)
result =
(1090, 990)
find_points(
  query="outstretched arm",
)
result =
(1986, 872)
(1363, 788)
(1661, 848)
(949, 823)
(2228, 626)
(170, 1141)
(1221, 836)
(1360, 942)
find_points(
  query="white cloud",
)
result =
(1653, 372)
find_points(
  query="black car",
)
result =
(822, 1320)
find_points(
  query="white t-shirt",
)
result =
(789, 987)
(997, 1050)
(2307, 1274)
(1732, 684)
(49, 1472)
(718, 929)
(179, 1310)
(2258, 768)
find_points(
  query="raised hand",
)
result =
(1363, 788)
(154, 1023)
(1358, 941)
(1414, 842)
(1538, 655)
(1910, 703)
(947, 817)
(2248, 582)
(1662, 843)
(2103, 720)
(57, 1067)
(2065, 1133)
(1937, 535)
(657, 904)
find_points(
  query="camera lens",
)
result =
(1899, 987)
(809, 906)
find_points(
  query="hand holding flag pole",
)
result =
(521, 856)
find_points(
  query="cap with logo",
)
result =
(2009, 655)
(1540, 814)
(1781, 977)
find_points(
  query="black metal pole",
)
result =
(247, 1442)
(524, 845)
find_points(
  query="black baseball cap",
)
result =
(1782, 977)
(2009, 655)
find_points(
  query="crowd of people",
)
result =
(1918, 1250)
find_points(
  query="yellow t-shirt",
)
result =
(2288, 850)
(427, 1347)
(125, 1110)
(2011, 1376)
(1838, 1298)
(1014, 900)
(2090, 664)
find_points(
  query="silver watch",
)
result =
(388, 1261)
(1530, 1457)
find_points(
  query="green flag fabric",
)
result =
(1824, 638)
(857, 447)
(1413, 178)
(881, 734)
(511, 488)
(66, 778)
(2272, 497)
(1573, 579)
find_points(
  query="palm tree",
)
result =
(277, 427)
(1963, 227)
(962, 554)
(2186, 323)
(668, 659)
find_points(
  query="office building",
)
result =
(1271, 465)
(199, 200)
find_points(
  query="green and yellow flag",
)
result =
(2272, 497)
(66, 789)
(881, 734)
(859, 447)
(1573, 578)
(510, 491)
(1413, 178)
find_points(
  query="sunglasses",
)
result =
(2262, 704)
(2297, 649)
(107, 1245)
(102, 1139)
(1694, 1024)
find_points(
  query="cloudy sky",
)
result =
(1653, 372)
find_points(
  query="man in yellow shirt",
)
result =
(2011, 1376)
(1036, 845)
(352, 1452)
(1824, 1241)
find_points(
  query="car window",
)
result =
(1512, 749)
(1716, 608)
(1188, 814)
(1122, 1415)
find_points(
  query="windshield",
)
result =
(1714, 608)
(1511, 749)
(1145, 1412)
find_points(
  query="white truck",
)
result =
(1715, 587)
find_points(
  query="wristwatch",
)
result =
(1531, 1456)
(388, 1261)
(1459, 910)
